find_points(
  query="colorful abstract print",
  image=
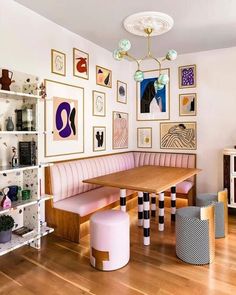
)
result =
(188, 76)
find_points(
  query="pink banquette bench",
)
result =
(75, 201)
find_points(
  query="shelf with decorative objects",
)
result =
(229, 177)
(21, 168)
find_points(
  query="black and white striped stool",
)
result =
(161, 211)
(173, 202)
(123, 200)
(153, 205)
(146, 219)
(140, 208)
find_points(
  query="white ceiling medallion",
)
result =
(159, 22)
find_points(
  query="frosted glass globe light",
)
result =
(139, 76)
(171, 55)
(163, 79)
(117, 54)
(158, 86)
(124, 45)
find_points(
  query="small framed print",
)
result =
(80, 64)
(120, 133)
(103, 77)
(144, 137)
(99, 103)
(58, 62)
(188, 104)
(187, 76)
(99, 138)
(121, 92)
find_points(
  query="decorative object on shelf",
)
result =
(30, 87)
(23, 231)
(42, 91)
(99, 103)
(27, 153)
(153, 104)
(144, 137)
(27, 117)
(12, 192)
(178, 135)
(6, 79)
(146, 24)
(25, 194)
(99, 138)
(229, 175)
(19, 123)
(121, 92)
(14, 159)
(188, 104)
(187, 76)
(120, 130)
(58, 62)
(6, 225)
(64, 113)
(80, 64)
(103, 77)
(10, 124)
(6, 201)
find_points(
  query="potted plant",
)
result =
(6, 225)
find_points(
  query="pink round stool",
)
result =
(109, 240)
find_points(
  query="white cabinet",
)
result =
(230, 175)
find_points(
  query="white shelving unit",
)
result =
(25, 212)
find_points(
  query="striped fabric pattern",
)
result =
(146, 219)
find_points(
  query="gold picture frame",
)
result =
(98, 110)
(121, 92)
(161, 116)
(82, 55)
(139, 145)
(186, 112)
(103, 77)
(120, 130)
(58, 62)
(188, 76)
(103, 148)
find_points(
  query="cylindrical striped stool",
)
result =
(109, 240)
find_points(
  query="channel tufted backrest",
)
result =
(67, 177)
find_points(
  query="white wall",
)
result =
(216, 106)
(26, 42)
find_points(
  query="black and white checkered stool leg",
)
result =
(123, 200)
(161, 211)
(153, 205)
(140, 208)
(146, 219)
(173, 202)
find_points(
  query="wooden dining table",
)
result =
(147, 180)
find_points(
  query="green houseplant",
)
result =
(6, 225)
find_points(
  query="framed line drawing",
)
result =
(58, 62)
(121, 95)
(80, 64)
(178, 135)
(188, 104)
(103, 77)
(144, 137)
(99, 138)
(152, 104)
(99, 103)
(120, 130)
(187, 76)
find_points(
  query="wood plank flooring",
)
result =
(62, 267)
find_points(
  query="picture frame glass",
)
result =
(121, 92)
(103, 77)
(99, 138)
(58, 62)
(80, 64)
(187, 76)
(187, 104)
(144, 137)
(99, 103)
(120, 130)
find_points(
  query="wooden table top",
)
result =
(151, 179)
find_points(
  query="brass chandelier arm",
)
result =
(133, 58)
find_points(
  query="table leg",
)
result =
(153, 205)
(140, 208)
(161, 211)
(146, 220)
(123, 200)
(173, 202)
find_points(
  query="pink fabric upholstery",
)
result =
(67, 178)
(183, 187)
(89, 202)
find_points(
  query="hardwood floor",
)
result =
(62, 267)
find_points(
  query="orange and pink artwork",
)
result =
(120, 130)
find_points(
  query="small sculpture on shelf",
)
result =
(6, 201)
(14, 159)
(10, 124)
(6, 80)
(42, 91)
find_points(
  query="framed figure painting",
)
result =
(64, 119)
(99, 138)
(58, 62)
(187, 76)
(99, 103)
(103, 77)
(120, 130)
(178, 135)
(153, 104)
(188, 104)
(144, 137)
(121, 92)
(80, 64)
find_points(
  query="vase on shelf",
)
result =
(6, 79)
(10, 125)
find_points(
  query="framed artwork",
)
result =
(120, 130)
(121, 92)
(144, 137)
(99, 138)
(178, 135)
(99, 103)
(188, 104)
(152, 104)
(187, 76)
(64, 116)
(58, 62)
(103, 77)
(80, 64)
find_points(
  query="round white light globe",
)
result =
(139, 76)
(124, 45)
(171, 54)
(117, 54)
(163, 79)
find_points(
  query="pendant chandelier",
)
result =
(146, 24)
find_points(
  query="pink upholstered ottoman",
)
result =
(109, 240)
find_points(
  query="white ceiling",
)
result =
(199, 24)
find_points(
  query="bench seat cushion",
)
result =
(91, 201)
(183, 187)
